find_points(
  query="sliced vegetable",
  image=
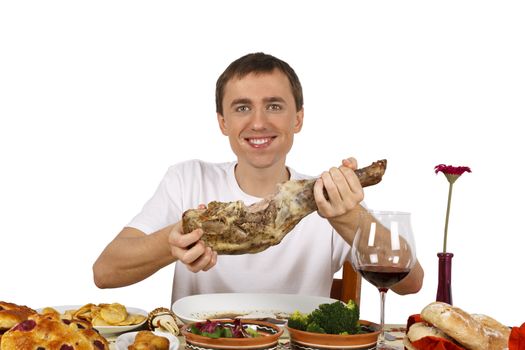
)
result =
(217, 329)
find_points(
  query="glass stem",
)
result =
(381, 340)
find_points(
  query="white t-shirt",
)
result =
(303, 263)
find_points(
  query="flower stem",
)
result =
(446, 218)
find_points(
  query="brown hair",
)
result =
(257, 63)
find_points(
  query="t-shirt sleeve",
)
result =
(163, 208)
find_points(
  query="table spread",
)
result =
(396, 330)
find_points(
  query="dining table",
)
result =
(395, 332)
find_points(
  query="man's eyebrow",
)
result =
(274, 99)
(241, 101)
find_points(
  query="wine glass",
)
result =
(384, 253)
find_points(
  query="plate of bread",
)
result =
(454, 328)
(31, 330)
(147, 340)
(112, 318)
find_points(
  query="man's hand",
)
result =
(343, 188)
(190, 250)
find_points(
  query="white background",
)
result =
(98, 98)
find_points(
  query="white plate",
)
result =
(126, 339)
(104, 330)
(199, 307)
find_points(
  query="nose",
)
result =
(258, 120)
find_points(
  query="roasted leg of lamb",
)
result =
(234, 228)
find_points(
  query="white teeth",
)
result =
(259, 141)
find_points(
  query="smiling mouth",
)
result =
(259, 142)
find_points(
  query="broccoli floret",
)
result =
(315, 328)
(298, 320)
(353, 306)
(336, 318)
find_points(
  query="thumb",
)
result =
(350, 163)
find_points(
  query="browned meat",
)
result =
(234, 228)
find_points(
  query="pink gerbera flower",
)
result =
(452, 173)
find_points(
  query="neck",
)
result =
(259, 182)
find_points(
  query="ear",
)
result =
(298, 125)
(222, 124)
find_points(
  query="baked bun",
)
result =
(420, 330)
(50, 332)
(497, 333)
(12, 314)
(146, 340)
(455, 329)
(458, 324)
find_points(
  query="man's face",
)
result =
(260, 118)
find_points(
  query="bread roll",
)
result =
(420, 330)
(12, 314)
(498, 334)
(458, 324)
(146, 340)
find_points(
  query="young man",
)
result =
(260, 108)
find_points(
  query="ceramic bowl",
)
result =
(301, 340)
(268, 340)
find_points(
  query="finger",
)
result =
(181, 240)
(353, 181)
(320, 199)
(190, 256)
(334, 196)
(203, 261)
(350, 162)
(201, 206)
(341, 182)
(212, 263)
(177, 252)
(324, 205)
(174, 235)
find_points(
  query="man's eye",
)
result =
(274, 107)
(242, 109)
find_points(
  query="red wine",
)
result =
(383, 276)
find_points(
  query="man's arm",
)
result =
(133, 256)
(412, 283)
(346, 226)
(342, 210)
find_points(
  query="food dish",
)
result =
(126, 339)
(50, 331)
(104, 330)
(318, 341)
(446, 324)
(268, 339)
(200, 307)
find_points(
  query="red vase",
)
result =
(444, 290)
